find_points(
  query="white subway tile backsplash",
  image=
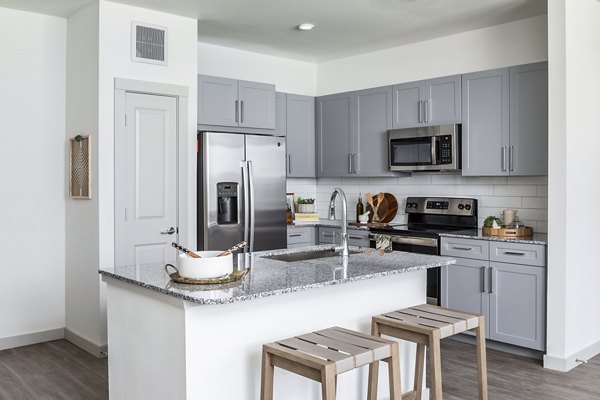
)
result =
(474, 190)
(438, 190)
(418, 178)
(514, 190)
(542, 191)
(505, 202)
(486, 180)
(535, 202)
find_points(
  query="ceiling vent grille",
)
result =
(149, 43)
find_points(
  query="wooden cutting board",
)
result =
(387, 210)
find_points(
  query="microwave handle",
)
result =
(434, 140)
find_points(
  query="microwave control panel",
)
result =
(445, 149)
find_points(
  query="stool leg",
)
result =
(266, 379)
(435, 366)
(481, 360)
(373, 369)
(394, 373)
(328, 383)
(419, 371)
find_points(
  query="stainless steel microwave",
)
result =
(432, 148)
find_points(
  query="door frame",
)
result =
(185, 155)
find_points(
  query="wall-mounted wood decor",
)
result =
(80, 168)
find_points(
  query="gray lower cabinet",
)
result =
(356, 237)
(232, 103)
(428, 102)
(505, 121)
(511, 295)
(352, 133)
(329, 235)
(300, 126)
(301, 236)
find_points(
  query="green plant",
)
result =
(489, 221)
(305, 201)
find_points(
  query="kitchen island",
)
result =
(173, 341)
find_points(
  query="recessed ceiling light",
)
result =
(306, 26)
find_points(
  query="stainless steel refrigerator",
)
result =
(241, 191)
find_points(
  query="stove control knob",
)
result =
(461, 206)
(467, 207)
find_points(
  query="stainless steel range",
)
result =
(427, 218)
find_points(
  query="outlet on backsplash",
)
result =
(527, 195)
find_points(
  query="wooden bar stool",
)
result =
(323, 355)
(426, 325)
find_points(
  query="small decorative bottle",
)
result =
(360, 208)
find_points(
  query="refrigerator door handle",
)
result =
(252, 213)
(246, 203)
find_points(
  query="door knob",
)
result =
(169, 231)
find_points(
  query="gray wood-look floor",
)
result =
(59, 370)
(52, 371)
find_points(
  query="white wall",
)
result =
(498, 46)
(574, 268)
(81, 278)
(32, 187)
(290, 76)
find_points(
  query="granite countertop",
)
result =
(537, 238)
(270, 277)
(325, 223)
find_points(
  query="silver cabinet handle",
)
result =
(514, 253)
(356, 237)
(503, 158)
(462, 248)
(295, 235)
(355, 165)
(349, 163)
(483, 280)
(511, 158)
(420, 103)
(289, 163)
(328, 235)
(426, 103)
(242, 111)
(492, 281)
(169, 231)
(237, 111)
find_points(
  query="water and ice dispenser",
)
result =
(227, 203)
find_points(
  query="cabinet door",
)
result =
(257, 105)
(518, 305)
(334, 135)
(485, 123)
(217, 99)
(301, 136)
(358, 237)
(464, 286)
(529, 119)
(328, 235)
(408, 111)
(280, 114)
(442, 100)
(372, 119)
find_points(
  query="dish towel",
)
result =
(383, 242)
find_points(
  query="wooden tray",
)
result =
(526, 231)
(234, 276)
(387, 210)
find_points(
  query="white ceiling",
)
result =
(343, 27)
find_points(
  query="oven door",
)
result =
(419, 245)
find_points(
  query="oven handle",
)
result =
(417, 241)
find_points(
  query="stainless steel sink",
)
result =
(307, 255)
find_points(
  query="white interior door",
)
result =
(148, 180)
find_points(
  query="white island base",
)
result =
(165, 348)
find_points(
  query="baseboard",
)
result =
(570, 362)
(31, 338)
(504, 347)
(85, 344)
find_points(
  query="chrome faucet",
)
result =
(344, 247)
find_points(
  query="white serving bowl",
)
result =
(206, 267)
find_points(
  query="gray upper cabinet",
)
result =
(517, 305)
(334, 135)
(232, 103)
(280, 114)
(529, 119)
(505, 121)
(257, 105)
(217, 101)
(429, 102)
(485, 129)
(372, 119)
(352, 133)
(300, 123)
